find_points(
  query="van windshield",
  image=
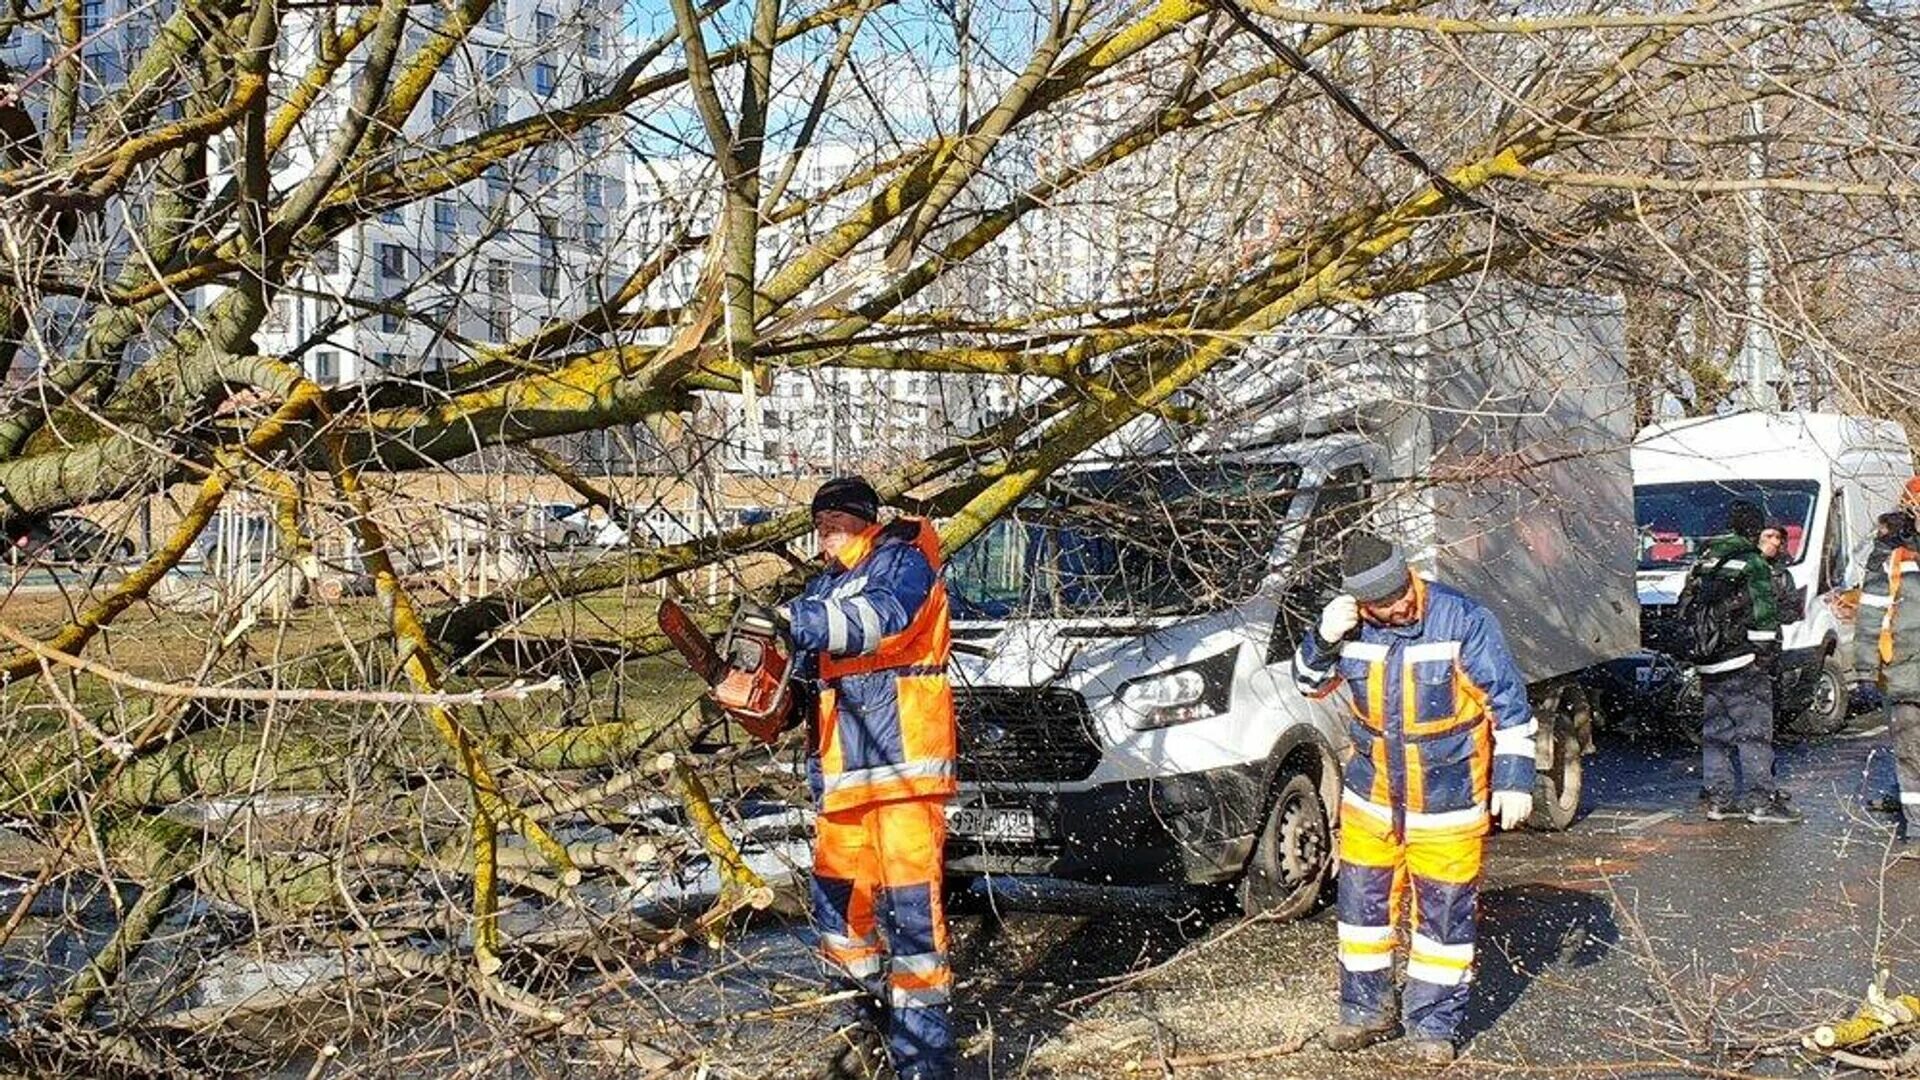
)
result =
(1677, 520)
(1160, 539)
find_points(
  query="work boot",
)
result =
(1434, 1053)
(1345, 1038)
(1773, 810)
(860, 1054)
(1722, 808)
(1886, 802)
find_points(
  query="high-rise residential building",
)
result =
(815, 419)
(539, 236)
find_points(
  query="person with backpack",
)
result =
(1730, 612)
(1886, 639)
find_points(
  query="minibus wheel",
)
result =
(1293, 861)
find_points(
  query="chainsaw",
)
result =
(749, 675)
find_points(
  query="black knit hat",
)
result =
(1745, 520)
(1373, 570)
(849, 495)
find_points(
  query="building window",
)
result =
(590, 189)
(443, 216)
(496, 64)
(594, 42)
(549, 278)
(496, 17)
(545, 173)
(542, 25)
(496, 186)
(497, 115)
(543, 78)
(326, 257)
(326, 367)
(389, 321)
(442, 106)
(393, 260)
(590, 140)
(498, 277)
(92, 17)
(444, 272)
(592, 234)
(392, 215)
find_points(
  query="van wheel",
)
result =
(1827, 712)
(1293, 861)
(1557, 783)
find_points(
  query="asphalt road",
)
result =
(1644, 941)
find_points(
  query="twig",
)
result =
(1121, 982)
(1226, 1057)
(515, 691)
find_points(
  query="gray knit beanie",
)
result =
(1373, 569)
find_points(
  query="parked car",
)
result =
(1825, 477)
(557, 524)
(599, 529)
(70, 540)
(1123, 642)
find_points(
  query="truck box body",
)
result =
(1506, 418)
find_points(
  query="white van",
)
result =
(1123, 641)
(1823, 476)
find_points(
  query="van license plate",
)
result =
(984, 823)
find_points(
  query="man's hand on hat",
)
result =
(1512, 808)
(1339, 618)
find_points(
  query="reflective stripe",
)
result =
(1365, 805)
(849, 944)
(917, 997)
(864, 966)
(928, 768)
(1875, 600)
(1762, 635)
(1350, 932)
(836, 627)
(1364, 650)
(927, 963)
(1449, 819)
(1436, 974)
(1427, 948)
(870, 634)
(1732, 564)
(1910, 798)
(1517, 740)
(1301, 667)
(1725, 665)
(1432, 650)
(1366, 961)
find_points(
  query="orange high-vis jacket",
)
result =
(877, 622)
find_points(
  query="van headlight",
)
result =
(1194, 692)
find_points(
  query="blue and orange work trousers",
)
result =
(876, 895)
(1434, 873)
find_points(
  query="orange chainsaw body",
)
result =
(749, 676)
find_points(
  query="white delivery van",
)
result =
(1823, 476)
(1123, 641)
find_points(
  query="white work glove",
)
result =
(1338, 618)
(1512, 808)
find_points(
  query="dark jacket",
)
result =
(1787, 597)
(1738, 558)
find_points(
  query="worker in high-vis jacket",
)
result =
(872, 629)
(1886, 638)
(1443, 744)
